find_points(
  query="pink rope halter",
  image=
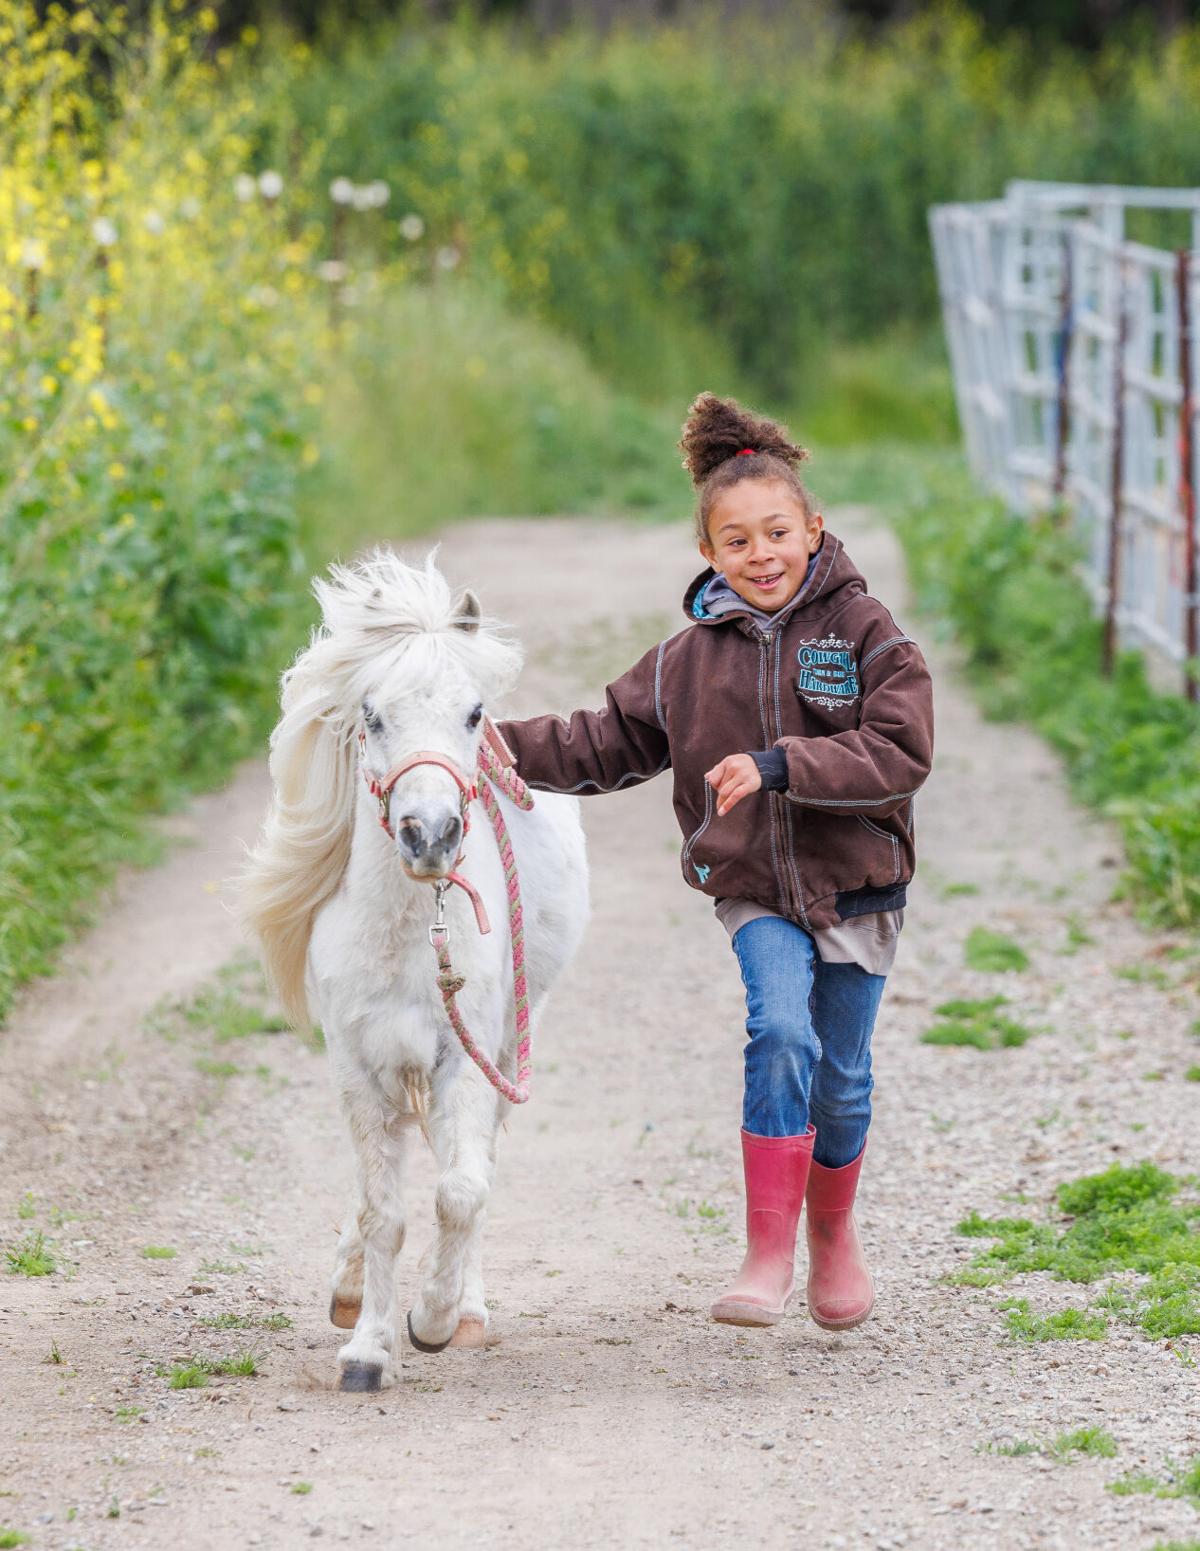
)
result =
(495, 767)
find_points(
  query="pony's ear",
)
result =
(468, 612)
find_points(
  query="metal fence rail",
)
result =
(1074, 361)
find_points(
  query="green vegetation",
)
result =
(187, 1376)
(1018, 1449)
(993, 952)
(1066, 1325)
(25, 1207)
(158, 1252)
(301, 1488)
(1009, 589)
(1127, 1223)
(1181, 1481)
(210, 1068)
(196, 1373)
(130, 1413)
(616, 186)
(216, 374)
(31, 1257)
(975, 1023)
(246, 1321)
(12, 1537)
(1143, 974)
(1093, 1442)
(222, 1267)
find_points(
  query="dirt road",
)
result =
(609, 1412)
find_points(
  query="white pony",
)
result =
(342, 909)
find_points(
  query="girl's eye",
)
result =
(779, 533)
(475, 717)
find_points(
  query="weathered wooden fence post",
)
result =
(1063, 427)
(1187, 485)
(1117, 477)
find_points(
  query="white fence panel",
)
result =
(1074, 359)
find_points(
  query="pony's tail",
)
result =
(302, 852)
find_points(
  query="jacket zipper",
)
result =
(787, 816)
(764, 711)
(696, 833)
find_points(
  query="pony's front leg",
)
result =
(463, 1123)
(471, 1330)
(346, 1284)
(379, 1137)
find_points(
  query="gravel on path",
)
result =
(608, 1411)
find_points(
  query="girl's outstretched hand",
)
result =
(734, 778)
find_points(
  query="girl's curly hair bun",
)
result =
(716, 429)
(719, 435)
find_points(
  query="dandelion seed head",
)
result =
(332, 270)
(412, 227)
(448, 257)
(33, 253)
(341, 191)
(245, 187)
(103, 231)
(154, 223)
(270, 184)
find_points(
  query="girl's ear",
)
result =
(709, 554)
(816, 524)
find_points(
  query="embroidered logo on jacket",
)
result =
(702, 872)
(828, 673)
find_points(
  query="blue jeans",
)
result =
(808, 1058)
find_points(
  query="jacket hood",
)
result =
(833, 572)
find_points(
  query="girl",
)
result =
(797, 720)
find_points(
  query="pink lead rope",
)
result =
(495, 767)
(450, 983)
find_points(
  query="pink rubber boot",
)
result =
(841, 1293)
(776, 1170)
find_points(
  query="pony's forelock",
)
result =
(384, 620)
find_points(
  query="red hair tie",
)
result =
(746, 452)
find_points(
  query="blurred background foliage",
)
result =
(278, 282)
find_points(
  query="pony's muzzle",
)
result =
(425, 852)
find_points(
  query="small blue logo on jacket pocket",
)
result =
(702, 872)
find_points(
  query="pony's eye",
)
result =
(475, 717)
(371, 717)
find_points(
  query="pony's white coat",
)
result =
(344, 929)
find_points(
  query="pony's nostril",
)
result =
(411, 835)
(451, 833)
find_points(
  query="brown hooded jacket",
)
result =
(832, 681)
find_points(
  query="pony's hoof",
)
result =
(344, 1312)
(361, 1378)
(471, 1333)
(426, 1346)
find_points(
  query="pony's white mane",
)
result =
(381, 620)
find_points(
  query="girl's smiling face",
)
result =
(761, 538)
